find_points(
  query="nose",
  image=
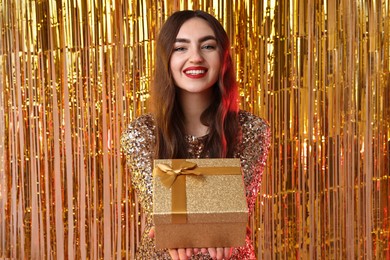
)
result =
(196, 56)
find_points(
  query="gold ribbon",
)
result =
(168, 175)
(174, 178)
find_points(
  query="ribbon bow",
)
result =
(168, 175)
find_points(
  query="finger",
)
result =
(212, 252)
(182, 254)
(227, 252)
(151, 232)
(174, 254)
(196, 251)
(219, 253)
(189, 252)
(203, 250)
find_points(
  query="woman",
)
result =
(195, 115)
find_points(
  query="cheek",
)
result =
(171, 65)
(175, 64)
(174, 69)
(217, 67)
(217, 64)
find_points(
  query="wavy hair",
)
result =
(221, 116)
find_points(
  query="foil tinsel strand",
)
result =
(75, 73)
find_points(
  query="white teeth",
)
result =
(195, 72)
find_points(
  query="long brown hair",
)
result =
(221, 116)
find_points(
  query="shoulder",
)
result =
(145, 121)
(140, 130)
(251, 123)
(254, 129)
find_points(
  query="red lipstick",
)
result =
(195, 72)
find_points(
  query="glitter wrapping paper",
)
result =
(74, 73)
(216, 209)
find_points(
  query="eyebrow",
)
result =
(203, 39)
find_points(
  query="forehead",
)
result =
(195, 28)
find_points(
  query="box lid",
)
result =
(210, 198)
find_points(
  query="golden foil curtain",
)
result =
(74, 73)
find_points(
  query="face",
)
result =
(195, 60)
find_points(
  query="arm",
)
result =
(256, 137)
(137, 143)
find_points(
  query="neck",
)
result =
(193, 105)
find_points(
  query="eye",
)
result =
(179, 49)
(209, 47)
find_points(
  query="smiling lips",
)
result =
(195, 72)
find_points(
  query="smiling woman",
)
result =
(195, 64)
(195, 115)
(195, 61)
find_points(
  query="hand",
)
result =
(218, 253)
(177, 253)
(185, 253)
(151, 232)
(181, 253)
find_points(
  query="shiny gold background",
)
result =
(74, 73)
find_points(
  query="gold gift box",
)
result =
(215, 212)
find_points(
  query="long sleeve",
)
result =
(253, 153)
(138, 144)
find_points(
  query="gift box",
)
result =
(199, 203)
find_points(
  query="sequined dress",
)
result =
(138, 142)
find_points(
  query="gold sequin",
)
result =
(138, 143)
